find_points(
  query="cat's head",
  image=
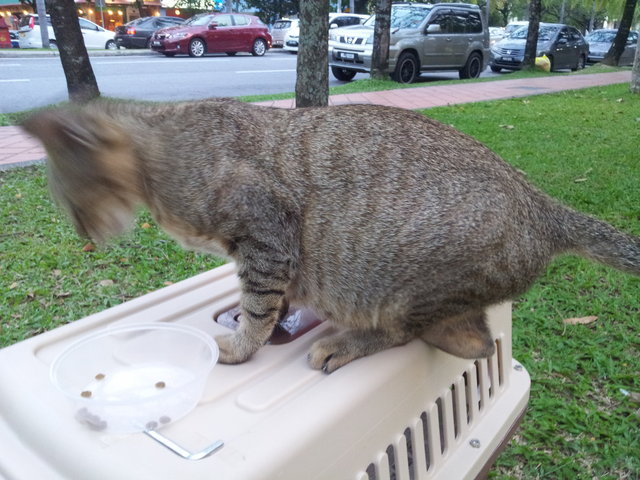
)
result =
(91, 168)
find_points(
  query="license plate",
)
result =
(156, 44)
(507, 59)
(349, 56)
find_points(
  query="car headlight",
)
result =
(369, 40)
(333, 37)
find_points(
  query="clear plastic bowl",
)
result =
(135, 377)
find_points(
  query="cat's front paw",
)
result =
(330, 353)
(233, 348)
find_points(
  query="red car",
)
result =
(228, 33)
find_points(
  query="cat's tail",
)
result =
(599, 241)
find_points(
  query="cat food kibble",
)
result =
(86, 394)
(160, 384)
(100, 376)
(164, 419)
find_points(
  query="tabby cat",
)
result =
(386, 223)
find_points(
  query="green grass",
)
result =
(370, 85)
(581, 147)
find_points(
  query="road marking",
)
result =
(11, 64)
(15, 80)
(160, 60)
(265, 71)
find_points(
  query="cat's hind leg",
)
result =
(464, 335)
(334, 351)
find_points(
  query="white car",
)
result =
(280, 30)
(94, 35)
(336, 20)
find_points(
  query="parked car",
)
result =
(94, 35)
(424, 37)
(513, 26)
(600, 42)
(562, 44)
(138, 32)
(15, 39)
(336, 20)
(281, 28)
(495, 34)
(204, 33)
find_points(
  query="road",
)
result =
(27, 83)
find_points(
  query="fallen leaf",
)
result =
(89, 247)
(579, 321)
(56, 272)
(580, 180)
(18, 196)
(620, 100)
(634, 397)
(106, 283)
(62, 294)
(168, 283)
(145, 225)
(13, 285)
(507, 127)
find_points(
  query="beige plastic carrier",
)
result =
(411, 412)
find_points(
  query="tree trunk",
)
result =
(81, 81)
(381, 37)
(531, 47)
(312, 72)
(635, 72)
(617, 47)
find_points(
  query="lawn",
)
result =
(581, 147)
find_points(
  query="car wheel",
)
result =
(259, 48)
(231, 54)
(111, 45)
(581, 64)
(495, 69)
(343, 74)
(197, 48)
(472, 68)
(407, 68)
(53, 45)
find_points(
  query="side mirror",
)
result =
(213, 25)
(434, 28)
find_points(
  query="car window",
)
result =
(86, 25)
(240, 20)
(458, 21)
(282, 24)
(574, 35)
(404, 16)
(223, 20)
(199, 20)
(345, 21)
(474, 23)
(446, 21)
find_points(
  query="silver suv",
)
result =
(423, 37)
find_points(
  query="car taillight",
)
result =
(32, 22)
(131, 31)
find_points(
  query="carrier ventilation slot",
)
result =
(423, 445)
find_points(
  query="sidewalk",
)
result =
(17, 148)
